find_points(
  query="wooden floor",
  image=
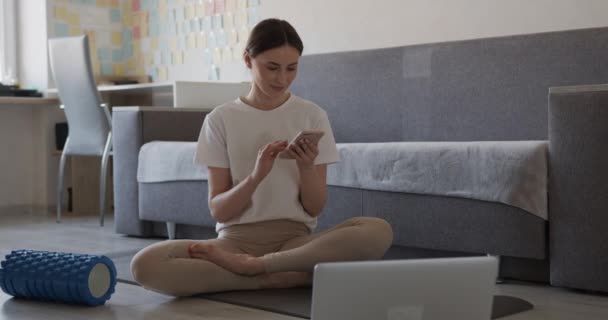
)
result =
(35, 229)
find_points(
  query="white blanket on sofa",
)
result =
(510, 172)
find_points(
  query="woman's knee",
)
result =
(379, 230)
(146, 270)
(148, 264)
(142, 267)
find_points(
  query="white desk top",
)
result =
(157, 109)
(154, 86)
(192, 94)
(142, 86)
(28, 101)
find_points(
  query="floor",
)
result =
(36, 229)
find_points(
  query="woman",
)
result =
(265, 207)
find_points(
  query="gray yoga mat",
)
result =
(294, 302)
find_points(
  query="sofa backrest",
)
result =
(483, 89)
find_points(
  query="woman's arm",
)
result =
(313, 188)
(313, 183)
(226, 201)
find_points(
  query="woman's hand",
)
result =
(304, 152)
(265, 160)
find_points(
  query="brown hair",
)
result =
(272, 33)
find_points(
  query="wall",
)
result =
(32, 47)
(101, 21)
(344, 25)
(164, 39)
(173, 36)
(8, 48)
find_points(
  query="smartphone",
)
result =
(311, 135)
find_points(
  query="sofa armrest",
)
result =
(578, 187)
(132, 127)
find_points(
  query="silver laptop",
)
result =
(425, 289)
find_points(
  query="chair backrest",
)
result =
(88, 123)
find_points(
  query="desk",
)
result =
(30, 161)
(29, 169)
(180, 94)
(27, 135)
(155, 86)
(28, 101)
(152, 94)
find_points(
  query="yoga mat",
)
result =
(297, 301)
(294, 302)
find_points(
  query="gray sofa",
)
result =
(481, 90)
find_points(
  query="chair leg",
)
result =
(102, 178)
(498, 278)
(60, 180)
(171, 230)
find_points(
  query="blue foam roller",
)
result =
(58, 276)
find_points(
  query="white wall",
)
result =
(345, 25)
(8, 50)
(32, 44)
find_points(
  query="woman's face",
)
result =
(273, 70)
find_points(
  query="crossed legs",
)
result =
(187, 267)
(167, 267)
(359, 238)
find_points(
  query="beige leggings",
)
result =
(284, 245)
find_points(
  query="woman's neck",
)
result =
(259, 100)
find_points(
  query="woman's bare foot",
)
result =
(238, 263)
(288, 279)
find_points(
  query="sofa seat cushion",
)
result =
(509, 172)
(164, 161)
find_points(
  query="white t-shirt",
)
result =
(233, 133)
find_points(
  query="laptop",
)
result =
(419, 289)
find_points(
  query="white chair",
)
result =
(89, 122)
